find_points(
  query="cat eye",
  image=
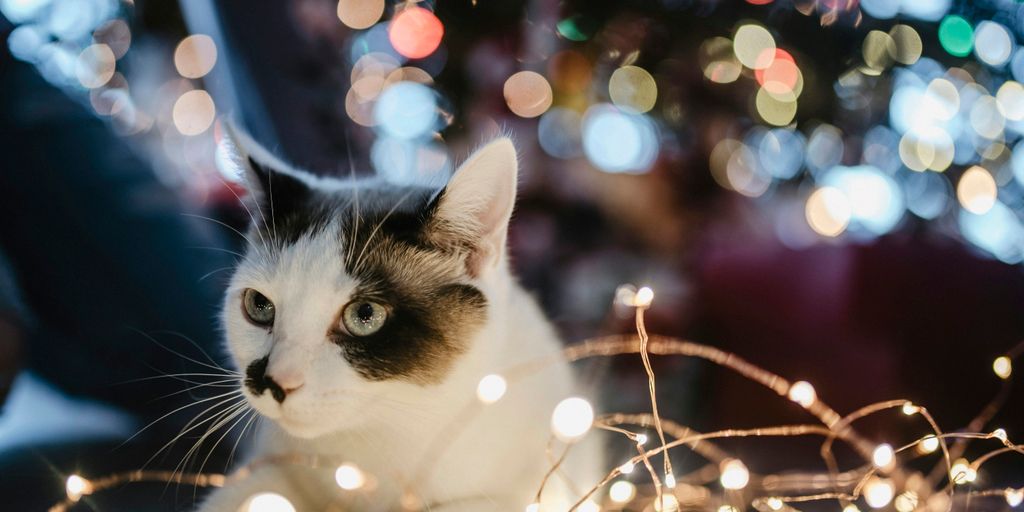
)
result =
(258, 308)
(363, 317)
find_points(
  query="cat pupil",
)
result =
(365, 312)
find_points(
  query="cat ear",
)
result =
(477, 203)
(273, 186)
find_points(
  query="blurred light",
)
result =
(193, 112)
(622, 491)
(270, 502)
(195, 56)
(358, 110)
(802, 392)
(828, 213)
(718, 60)
(588, 506)
(825, 148)
(874, 198)
(881, 9)
(956, 36)
(559, 132)
(1000, 434)
(71, 20)
(881, 149)
(883, 456)
(927, 10)
(627, 467)
(95, 66)
(928, 444)
(644, 297)
(670, 481)
(349, 477)
(527, 94)
(907, 45)
(633, 89)
(1010, 100)
(641, 439)
(927, 148)
(876, 50)
(962, 473)
(1017, 64)
(572, 419)
(906, 502)
(415, 32)
(734, 474)
(775, 503)
(1014, 497)
(782, 77)
(910, 409)
(667, 503)
(408, 74)
(115, 34)
(976, 190)
(781, 152)
(574, 28)
(410, 161)
(878, 492)
(986, 119)
(998, 231)
(778, 110)
(407, 110)
(941, 99)
(533, 507)
(570, 71)
(21, 11)
(616, 141)
(749, 42)
(360, 14)
(76, 487)
(992, 43)
(1003, 367)
(491, 388)
(744, 173)
(25, 41)
(377, 40)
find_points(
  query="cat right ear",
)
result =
(273, 186)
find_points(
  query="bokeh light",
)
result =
(360, 14)
(718, 61)
(491, 388)
(195, 56)
(194, 112)
(956, 35)
(617, 141)
(622, 491)
(95, 66)
(528, 94)
(407, 110)
(782, 77)
(415, 32)
(749, 42)
(572, 419)
(559, 133)
(976, 190)
(997, 231)
(828, 213)
(906, 45)
(878, 492)
(775, 109)
(349, 477)
(993, 43)
(633, 89)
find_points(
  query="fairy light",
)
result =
(962, 473)
(883, 456)
(1003, 367)
(270, 502)
(349, 477)
(644, 297)
(906, 502)
(589, 506)
(572, 419)
(491, 388)
(666, 503)
(910, 409)
(999, 434)
(76, 487)
(1014, 497)
(803, 393)
(627, 467)
(774, 503)
(851, 508)
(928, 444)
(878, 492)
(670, 481)
(734, 475)
(622, 491)
(641, 439)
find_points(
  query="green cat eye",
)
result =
(257, 308)
(363, 317)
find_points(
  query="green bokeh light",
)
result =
(956, 35)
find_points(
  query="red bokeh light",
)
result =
(759, 2)
(778, 72)
(415, 32)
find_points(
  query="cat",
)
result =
(364, 314)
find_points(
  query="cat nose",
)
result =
(259, 380)
(288, 381)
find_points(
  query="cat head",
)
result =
(356, 296)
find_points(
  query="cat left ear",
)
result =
(477, 203)
(273, 186)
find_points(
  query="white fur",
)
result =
(495, 462)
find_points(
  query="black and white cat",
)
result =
(364, 314)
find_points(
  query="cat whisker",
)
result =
(253, 417)
(213, 366)
(179, 409)
(219, 249)
(226, 225)
(226, 383)
(195, 423)
(222, 419)
(240, 417)
(212, 272)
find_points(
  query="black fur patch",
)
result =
(257, 380)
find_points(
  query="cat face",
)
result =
(355, 298)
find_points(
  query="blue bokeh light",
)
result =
(998, 232)
(617, 141)
(875, 198)
(407, 110)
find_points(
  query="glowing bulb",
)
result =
(667, 503)
(644, 297)
(1014, 497)
(349, 477)
(802, 392)
(622, 491)
(851, 508)
(961, 472)
(572, 419)
(360, 14)
(270, 502)
(906, 502)
(878, 492)
(928, 444)
(774, 503)
(910, 409)
(641, 439)
(734, 474)
(670, 481)
(589, 506)
(999, 434)
(533, 507)
(728, 508)
(491, 388)
(627, 467)
(77, 487)
(883, 455)
(1003, 367)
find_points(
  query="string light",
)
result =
(572, 419)
(76, 487)
(999, 434)
(803, 393)
(491, 388)
(1003, 367)
(878, 492)
(883, 456)
(906, 502)
(627, 467)
(622, 491)
(270, 502)
(666, 503)
(349, 477)
(910, 409)
(962, 473)
(928, 444)
(589, 506)
(1014, 497)
(851, 508)
(734, 474)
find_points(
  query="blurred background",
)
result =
(831, 189)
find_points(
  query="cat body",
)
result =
(364, 316)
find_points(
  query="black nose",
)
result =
(257, 380)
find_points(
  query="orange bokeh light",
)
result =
(781, 75)
(415, 32)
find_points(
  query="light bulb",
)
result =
(491, 388)
(928, 444)
(734, 474)
(349, 477)
(270, 502)
(879, 492)
(644, 297)
(627, 467)
(77, 487)
(883, 455)
(1014, 497)
(572, 419)
(622, 491)
(1003, 367)
(910, 409)
(803, 393)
